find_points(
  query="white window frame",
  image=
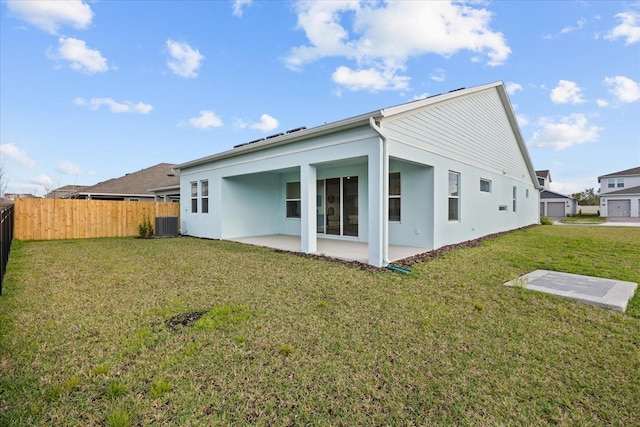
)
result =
(194, 196)
(615, 183)
(454, 196)
(289, 200)
(204, 196)
(397, 197)
(515, 198)
(488, 182)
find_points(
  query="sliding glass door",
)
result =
(337, 206)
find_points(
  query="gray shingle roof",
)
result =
(630, 190)
(137, 183)
(632, 171)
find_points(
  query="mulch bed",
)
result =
(410, 261)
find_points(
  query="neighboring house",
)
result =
(425, 174)
(13, 196)
(552, 204)
(135, 186)
(65, 192)
(620, 194)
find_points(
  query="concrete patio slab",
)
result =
(606, 293)
(335, 248)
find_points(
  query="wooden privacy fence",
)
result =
(49, 219)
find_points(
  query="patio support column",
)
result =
(376, 207)
(308, 211)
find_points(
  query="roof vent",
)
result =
(296, 129)
(455, 90)
(241, 145)
(275, 135)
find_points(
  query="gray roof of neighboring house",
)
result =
(546, 194)
(544, 174)
(66, 190)
(137, 183)
(630, 190)
(628, 172)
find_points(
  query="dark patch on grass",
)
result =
(184, 319)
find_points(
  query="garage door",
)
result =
(619, 208)
(555, 209)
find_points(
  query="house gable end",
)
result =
(457, 129)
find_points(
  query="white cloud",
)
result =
(567, 92)
(206, 119)
(42, 181)
(570, 29)
(370, 79)
(512, 88)
(629, 28)
(522, 120)
(602, 103)
(267, 123)
(384, 35)
(69, 168)
(114, 106)
(569, 188)
(11, 152)
(184, 60)
(438, 75)
(421, 96)
(82, 58)
(569, 131)
(51, 15)
(239, 5)
(625, 89)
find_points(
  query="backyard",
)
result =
(182, 331)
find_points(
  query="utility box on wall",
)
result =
(166, 226)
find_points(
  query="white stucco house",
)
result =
(424, 174)
(620, 194)
(553, 204)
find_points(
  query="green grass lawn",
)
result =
(92, 334)
(584, 219)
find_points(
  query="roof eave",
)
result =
(352, 122)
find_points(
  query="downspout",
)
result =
(385, 191)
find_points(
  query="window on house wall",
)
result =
(394, 196)
(194, 197)
(526, 193)
(204, 190)
(454, 196)
(515, 195)
(615, 183)
(485, 185)
(293, 199)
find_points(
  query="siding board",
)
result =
(474, 129)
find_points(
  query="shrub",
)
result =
(545, 221)
(145, 228)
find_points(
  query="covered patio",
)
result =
(334, 248)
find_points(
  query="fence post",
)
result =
(6, 236)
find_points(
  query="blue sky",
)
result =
(92, 90)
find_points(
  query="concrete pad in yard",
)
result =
(606, 293)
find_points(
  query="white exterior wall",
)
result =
(247, 191)
(454, 136)
(570, 205)
(629, 182)
(634, 203)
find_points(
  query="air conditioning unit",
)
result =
(166, 226)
